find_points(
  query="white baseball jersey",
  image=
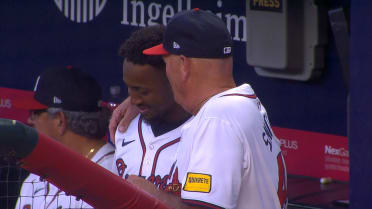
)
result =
(229, 157)
(31, 194)
(55, 198)
(139, 152)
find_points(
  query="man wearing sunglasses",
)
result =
(65, 106)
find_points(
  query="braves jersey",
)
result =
(139, 152)
(54, 198)
(31, 194)
(229, 157)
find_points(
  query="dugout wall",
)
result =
(309, 117)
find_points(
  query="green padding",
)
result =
(16, 138)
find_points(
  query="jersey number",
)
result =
(267, 135)
(282, 183)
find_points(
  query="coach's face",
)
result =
(44, 123)
(173, 65)
(149, 90)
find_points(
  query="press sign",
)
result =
(267, 5)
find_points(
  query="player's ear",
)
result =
(185, 64)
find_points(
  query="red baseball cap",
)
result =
(28, 102)
(156, 50)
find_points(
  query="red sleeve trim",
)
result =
(251, 96)
(202, 204)
(107, 154)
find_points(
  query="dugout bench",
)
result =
(308, 192)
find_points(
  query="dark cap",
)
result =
(195, 33)
(68, 88)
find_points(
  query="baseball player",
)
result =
(32, 193)
(55, 198)
(65, 106)
(148, 148)
(228, 156)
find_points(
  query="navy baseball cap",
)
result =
(68, 88)
(195, 33)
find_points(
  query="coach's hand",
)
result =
(170, 200)
(121, 117)
(144, 185)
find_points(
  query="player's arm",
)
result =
(121, 117)
(170, 200)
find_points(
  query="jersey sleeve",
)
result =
(216, 166)
(108, 163)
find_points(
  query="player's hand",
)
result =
(144, 185)
(121, 117)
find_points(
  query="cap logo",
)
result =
(57, 100)
(37, 83)
(176, 45)
(227, 50)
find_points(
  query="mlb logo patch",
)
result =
(226, 50)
